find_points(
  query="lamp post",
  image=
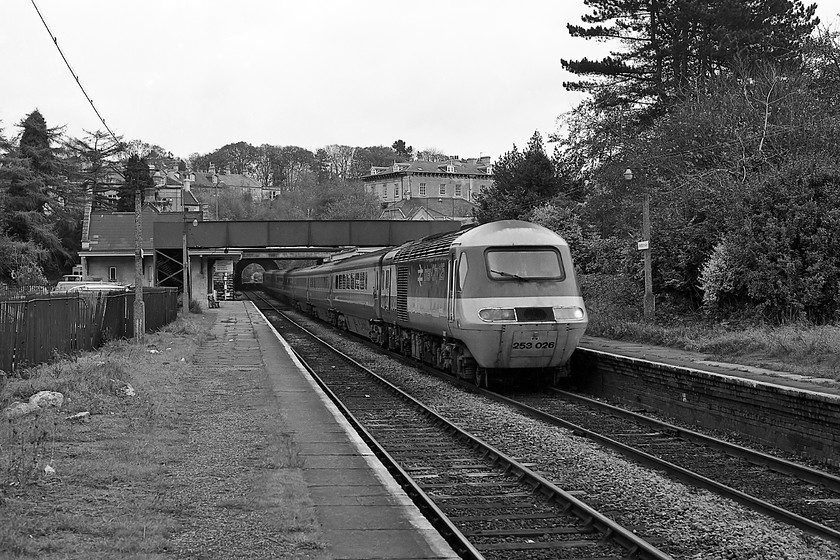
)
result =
(644, 246)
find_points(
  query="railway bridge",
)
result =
(223, 255)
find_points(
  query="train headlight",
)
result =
(568, 314)
(496, 314)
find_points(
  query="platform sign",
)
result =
(223, 266)
(223, 279)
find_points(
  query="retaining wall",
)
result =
(803, 422)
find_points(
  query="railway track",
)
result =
(796, 494)
(487, 504)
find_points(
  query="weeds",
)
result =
(27, 447)
(797, 347)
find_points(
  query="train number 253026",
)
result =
(530, 345)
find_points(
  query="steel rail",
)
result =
(635, 546)
(681, 473)
(777, 464)
(439, 520)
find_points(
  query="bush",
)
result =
(785, 256)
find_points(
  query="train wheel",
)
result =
(482, 379)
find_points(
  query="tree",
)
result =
(375, 156)
(402, 150)
(239, 157)
(293, 166)
(96, 166)
(674, 46)
(334, 162)
(432, 154)
(521, 182)
(707, 163)
(33, 180)
(783, 259)
(137, 180)
(266, 162)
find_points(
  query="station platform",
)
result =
(361, 510)
(700, 361)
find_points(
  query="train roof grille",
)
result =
(433, 246)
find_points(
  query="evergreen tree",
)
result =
(95, 165)
(673, 46)
(521, 182)
(32, 177)
(137, 179)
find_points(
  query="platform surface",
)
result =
(362, 511)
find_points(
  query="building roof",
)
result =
(443, 209)
(469, 167)
(237, 180)
(112, 232)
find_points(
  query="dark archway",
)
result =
(250, 267)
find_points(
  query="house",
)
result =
(430, 190)
(108, 244)
(207, 186)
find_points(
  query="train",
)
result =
(496, 301)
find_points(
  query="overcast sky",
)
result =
(468, 77)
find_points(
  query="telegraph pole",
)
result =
(185, 296)
(139, 305)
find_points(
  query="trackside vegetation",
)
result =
(727, 115)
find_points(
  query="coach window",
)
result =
(462, 271)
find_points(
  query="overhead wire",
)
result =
(73, 73)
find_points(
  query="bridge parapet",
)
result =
(296, 233)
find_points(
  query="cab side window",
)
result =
(463, 268)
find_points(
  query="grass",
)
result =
(802, 348)
(146, 476)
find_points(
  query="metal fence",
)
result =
(37, 328)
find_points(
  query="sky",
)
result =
(466, 77)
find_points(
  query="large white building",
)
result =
(429, 190)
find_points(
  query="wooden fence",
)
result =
(37, 328)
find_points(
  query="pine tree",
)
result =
(31, 176)
(137, 178)
(521, 182)
(673, 46)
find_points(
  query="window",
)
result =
(457, 189)
(463, 268)
(112, 274)
(525, 264)
(396, 190)
(442, 190)
(422, 189)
